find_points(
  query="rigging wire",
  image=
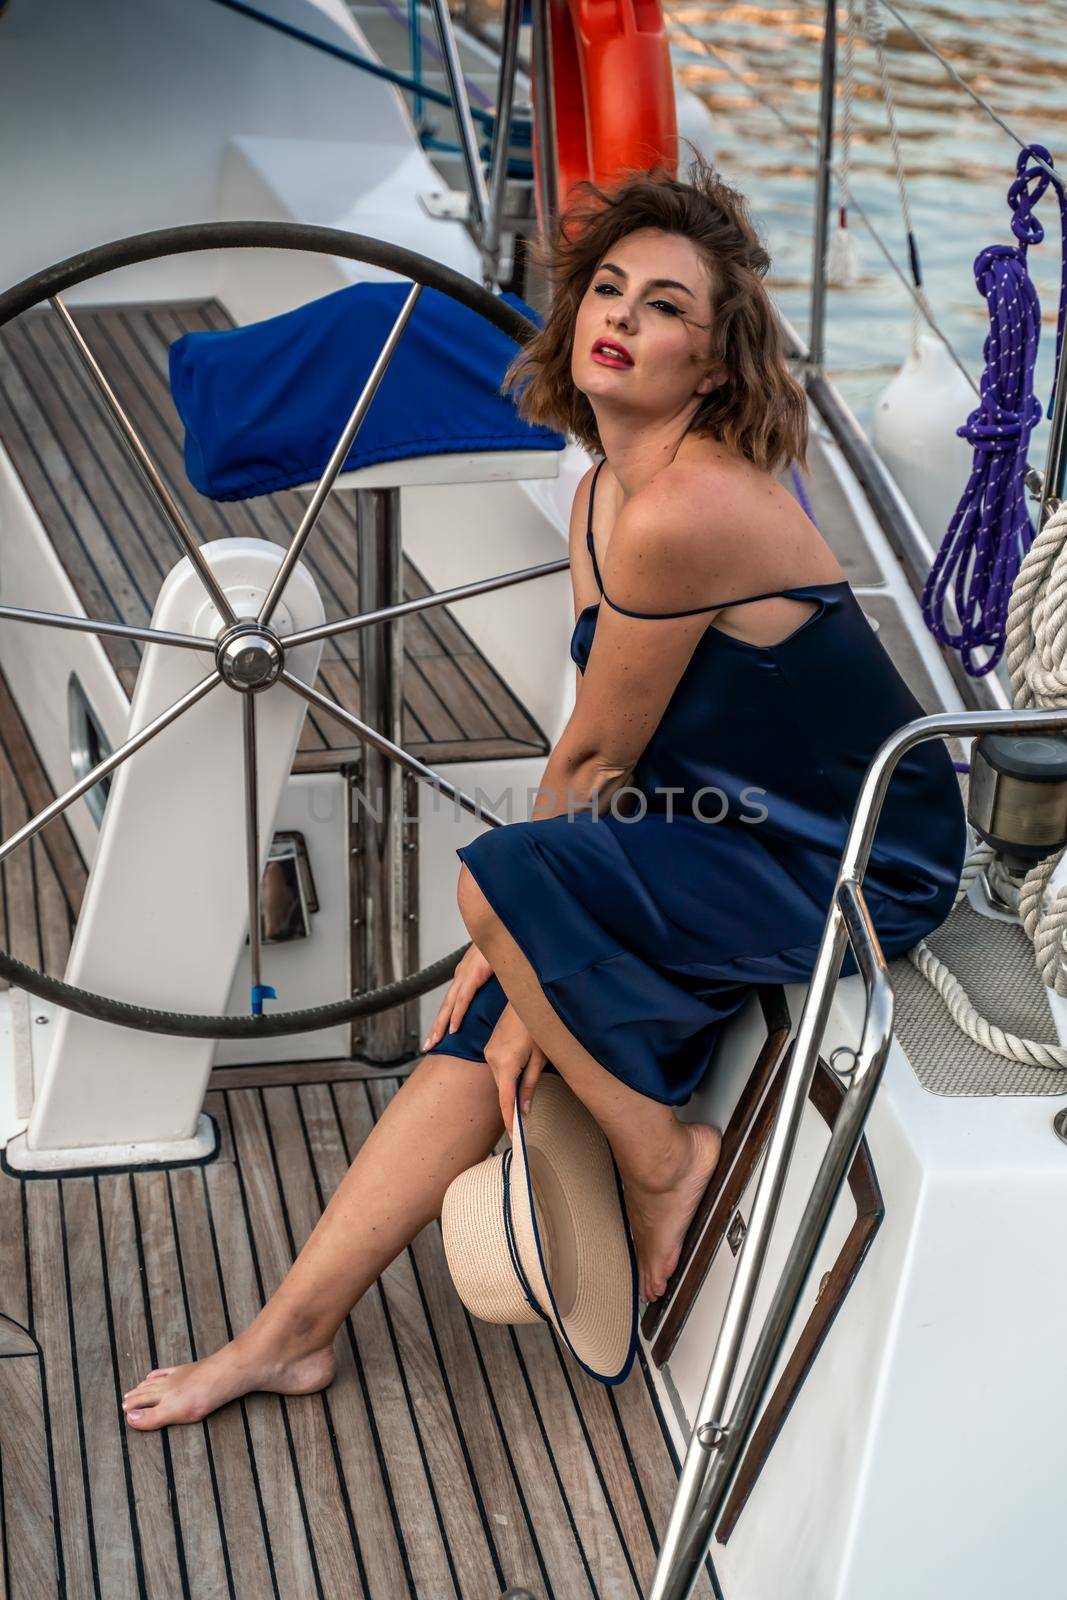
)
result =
(1024, 144)
(701, 47)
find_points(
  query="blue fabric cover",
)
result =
(264, 405)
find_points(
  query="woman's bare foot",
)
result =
(660, 1217)
(189, 1392)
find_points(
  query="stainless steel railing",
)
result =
(720, 1432)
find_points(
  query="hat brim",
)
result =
(568, 1215)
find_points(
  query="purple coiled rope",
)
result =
(991, 530)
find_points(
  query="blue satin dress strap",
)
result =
(647, 926)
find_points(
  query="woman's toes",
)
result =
(147, 1416)
(156, 1372)
(146, 1391)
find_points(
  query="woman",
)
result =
(685, 839)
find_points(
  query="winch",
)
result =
(1017, 803)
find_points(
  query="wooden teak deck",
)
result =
(449, 1458)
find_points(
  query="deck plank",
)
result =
(43, 881)
(552, 1387)
(507, 1526)
(51, 1327)
(237, 1471)
(564, 1569)
(456, 1518)
(26, 1512)
(114, 1518)
(361, 1371)
(396, 1422)
(149, 1473)
(20, 889)
(280, 1477)
(326, 1489)
(643, 1434)
(78, 418)
(70, 519)
(17, 748)
(187, 1454)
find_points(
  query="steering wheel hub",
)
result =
(250, 658)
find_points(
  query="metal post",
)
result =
(498, 161)
(415, 54)
(379, 823)
(823, 177)
(479, 194)
(544, 109)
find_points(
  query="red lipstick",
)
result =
(607, 353)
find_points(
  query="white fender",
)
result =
(914, 432)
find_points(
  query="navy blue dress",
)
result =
(647, 930)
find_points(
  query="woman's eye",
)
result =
(665, 303)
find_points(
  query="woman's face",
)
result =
(664, 327)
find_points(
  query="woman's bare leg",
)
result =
(444, 1118)
(664, 1163)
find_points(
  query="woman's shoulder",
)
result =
(711, 505)
(719, 486)
(731, 528)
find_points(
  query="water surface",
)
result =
(959, 164)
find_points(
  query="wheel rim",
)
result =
(248, 656)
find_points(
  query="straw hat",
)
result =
(540, 1233)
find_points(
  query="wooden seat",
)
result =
(116, 546)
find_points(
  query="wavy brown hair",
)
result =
(759, 409)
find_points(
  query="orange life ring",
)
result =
(613, 88)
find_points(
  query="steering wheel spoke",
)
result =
(423, 602)
(118, 630)
(109, 763)
(340, 453)
(395, 753)
(147, 467)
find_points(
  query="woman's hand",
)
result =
(472, 970)
(512, 1055)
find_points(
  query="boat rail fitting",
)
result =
(705, 1479)
(143, 461)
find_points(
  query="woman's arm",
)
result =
(635, 663)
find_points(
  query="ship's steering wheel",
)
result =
(247, 658)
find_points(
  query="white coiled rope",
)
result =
(1037, 667)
